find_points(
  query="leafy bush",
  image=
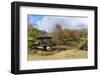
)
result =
(83, 44)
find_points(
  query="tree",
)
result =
(66, 37)
(83, 45)
(57, 35)
(32, 33)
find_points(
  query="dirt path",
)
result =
(68, 54)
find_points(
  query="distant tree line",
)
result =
(68, 38)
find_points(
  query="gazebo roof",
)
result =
(44, 35)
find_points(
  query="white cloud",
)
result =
(49, 22)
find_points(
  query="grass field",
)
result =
(66, 54)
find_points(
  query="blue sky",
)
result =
(33, 19)
(48, 23)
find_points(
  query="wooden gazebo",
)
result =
(45, 40)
